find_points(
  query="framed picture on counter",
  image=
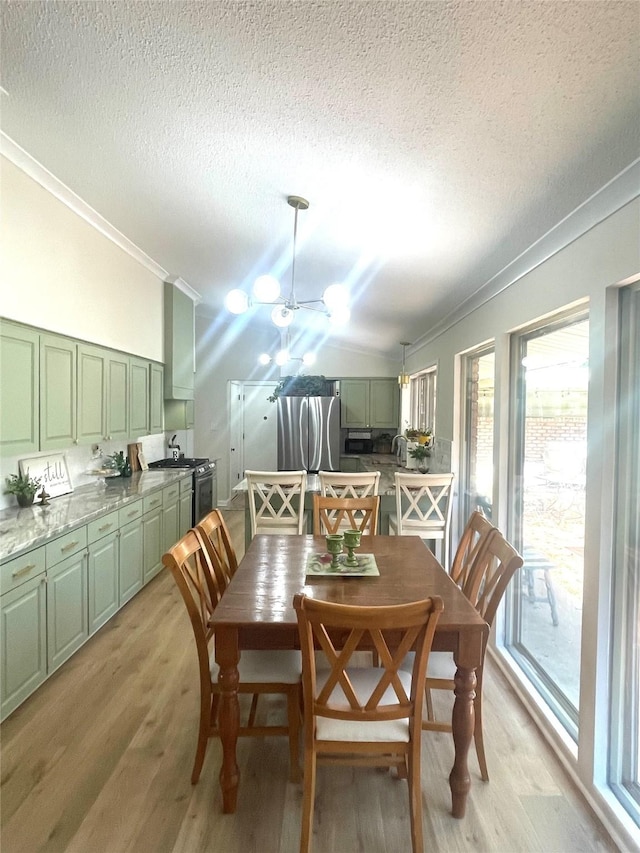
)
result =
(52, 471)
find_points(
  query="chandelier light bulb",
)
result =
(282, 316)
(308, 359)
(340, 316)
(335, 296)
(282, 357)
(266, 288)
(265, 358)
(237, 301)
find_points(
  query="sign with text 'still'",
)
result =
(52, 472)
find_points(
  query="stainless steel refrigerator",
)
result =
(309, 434)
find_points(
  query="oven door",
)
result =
(202, 496)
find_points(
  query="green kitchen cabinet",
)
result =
(23, 629)
(152, 536)
(369, 403)
(179, 344)
(103, 565)
(92, 394)
(19, 389)
(156, 398)
(58, 388)
(179, 414)
(186, 506)
(117, 407)
(67, 608)
(138, 397)
(131, 566)
(170, 516)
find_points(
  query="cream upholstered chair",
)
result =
(423, 508)
(493, 567)
(276, 501)
(331, 515)
(473, 538)
(201, 583)
(335, 484)
(367, 716)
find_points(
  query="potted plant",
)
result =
(425, 436)
(412, 434)
(421, 453)
(23, 487)
(383, 442)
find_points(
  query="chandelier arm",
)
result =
(292, 295)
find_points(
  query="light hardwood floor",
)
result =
(99, 759)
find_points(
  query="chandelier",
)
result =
(403, 378)
(334, 302)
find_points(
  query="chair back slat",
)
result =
(216, 540)
(490, 574)
(338, 484)
(473, 539)
(331, 515)
(276, 501)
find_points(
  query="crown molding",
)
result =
(37, 172)
(615, 194)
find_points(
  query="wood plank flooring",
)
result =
(99, 759)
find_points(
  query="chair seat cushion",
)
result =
(284, 667)
(364, 680)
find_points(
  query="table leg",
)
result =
(463, 721)
(227, 657)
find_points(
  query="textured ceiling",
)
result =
(435, 140)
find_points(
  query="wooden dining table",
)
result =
(256, 612)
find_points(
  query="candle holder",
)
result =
(335, 543)
(352, 541)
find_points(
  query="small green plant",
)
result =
(23, 486)
(420, 452)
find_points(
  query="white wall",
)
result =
(59, 273)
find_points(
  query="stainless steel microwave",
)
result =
(358, 445)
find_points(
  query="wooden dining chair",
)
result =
(217, 541)
(486, 583)
(276, 501)
(259, 671)
(339, 484)
(366, 716)
(423, 508)
(332, 515)
(473, 539)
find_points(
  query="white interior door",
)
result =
(235, 434)
(260, 419)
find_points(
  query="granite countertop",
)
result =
(24, 529)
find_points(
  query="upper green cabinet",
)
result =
(179, 344)
(369, 403)
(58, 388)
(117, 406)
(139, 397)
(19, 389)
(156, 397)
(92, 393)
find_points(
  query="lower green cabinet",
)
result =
(67, 622)
(131, 551)
(152, 541)
(186, 501)
(103, 540)
(23, 650)
(170, 516)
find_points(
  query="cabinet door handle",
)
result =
(132, 513)
(23, 571)
(69, 546)
(105, 527)
(154, 502)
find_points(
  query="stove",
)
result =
(205, 482)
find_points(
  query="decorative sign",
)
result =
(52, 471)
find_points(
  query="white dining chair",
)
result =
(423, 508)
(276, 501)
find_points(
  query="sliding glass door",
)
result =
(549, 425)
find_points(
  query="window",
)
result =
(547, 484)
(624, 763)
(476, 480)
(423, 400)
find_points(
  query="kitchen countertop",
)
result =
(24, 529)
(386, 463)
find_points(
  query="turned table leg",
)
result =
(463, 721)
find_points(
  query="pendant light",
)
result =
(403, 378)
